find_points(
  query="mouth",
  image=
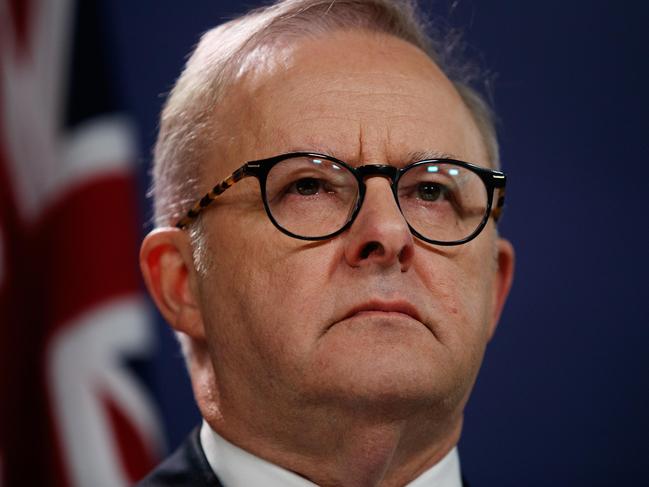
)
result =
(391, 310)
(384, 308)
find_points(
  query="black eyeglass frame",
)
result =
(491, 178)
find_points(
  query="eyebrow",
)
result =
(317, 148)
(428, 154)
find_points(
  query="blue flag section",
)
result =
(93, 389)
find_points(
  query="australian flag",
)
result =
(74, 410)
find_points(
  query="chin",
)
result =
(397, 397)
(384, 375)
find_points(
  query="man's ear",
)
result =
(503, 278)
(169, 274)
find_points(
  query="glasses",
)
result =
(313, 196)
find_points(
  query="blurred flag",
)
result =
(73, 320)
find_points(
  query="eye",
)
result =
(306, 186)
(429, 191)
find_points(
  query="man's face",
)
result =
(372, 317)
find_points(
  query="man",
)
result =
(334, 294)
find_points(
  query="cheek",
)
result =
(268, 294)
(459, 283)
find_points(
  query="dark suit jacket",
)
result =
(188, 466)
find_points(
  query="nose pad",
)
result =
(379, 234)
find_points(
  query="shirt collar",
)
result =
(238, 468)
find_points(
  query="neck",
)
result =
(347, 449)
(336, 443)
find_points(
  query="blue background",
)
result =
(563, 395)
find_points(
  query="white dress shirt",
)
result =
(238, 468)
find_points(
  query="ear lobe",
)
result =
(168, 269)
(503, 278)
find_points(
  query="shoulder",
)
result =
(184, 467)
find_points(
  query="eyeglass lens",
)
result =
(313, 197)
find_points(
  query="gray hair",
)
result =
(188, 124)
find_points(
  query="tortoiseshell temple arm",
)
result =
(497, 212)
(206, 200)
(499, 181)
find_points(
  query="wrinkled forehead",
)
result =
(361, 96)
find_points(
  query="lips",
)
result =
(402, 307)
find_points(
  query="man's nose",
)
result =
(379, 234)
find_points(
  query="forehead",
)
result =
(363, 97)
